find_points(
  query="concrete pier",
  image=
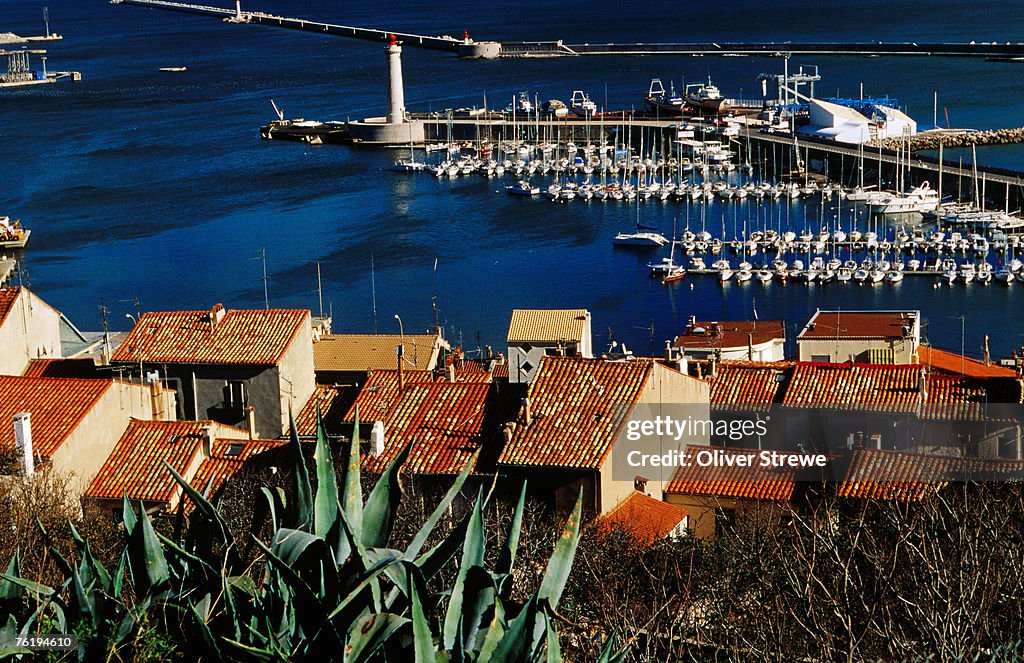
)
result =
(468, 49)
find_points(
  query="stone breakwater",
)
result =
(931, 140)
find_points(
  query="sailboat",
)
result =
(409, 165)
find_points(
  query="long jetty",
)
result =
(443, 43)
(468, 48)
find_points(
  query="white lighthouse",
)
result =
(395, 127)
(396, 92)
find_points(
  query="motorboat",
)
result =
(522, 188)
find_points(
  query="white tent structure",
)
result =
(846, 125)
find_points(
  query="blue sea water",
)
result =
(149, 185)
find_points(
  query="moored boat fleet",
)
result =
(841, 257)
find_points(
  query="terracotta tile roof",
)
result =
(645, 518)
(228, 457)
(733, 334)
(721, 480)
(576, 410)
(242, 337)
(882, 388)
(954, 364)
(84, 368)
(859, 325)
(136, 465)
(57, 405)
(529, 325)
(334, 402)
(379, 394)
(894, 475)
(500, 371)
(443, 421)
(366, 352)
(7, 298)
(746, 386)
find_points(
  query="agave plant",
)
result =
(329, 586)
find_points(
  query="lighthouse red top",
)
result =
(391, 40)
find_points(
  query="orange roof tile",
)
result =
(576, 410)
(378, 395)
(529, 325)
(443, 421)
(57, 405)
(242, 337)
(645, 518)
(742, 385)
(859, 325)
(7, 298)
(731, 481)
(882, 388)
(895, 475)
(229, 456)
(84, 368)
(136, 465)
(366, 352)
(954, 364)
(334, 402)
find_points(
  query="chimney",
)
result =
(507, 431)
(250, 422)
(712, 367)
(922, 386)
(216, 315)
(207, 441)
(400, 350)
(449, 372)
(527, 412)
(377, 439)
(668, 350)
(23, 443)
(156, 399)
(750, 347)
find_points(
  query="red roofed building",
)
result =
(646, 519)
(72, 425)
(29, 329)
(240, 368)
(868, 337)
(715, 488)
(573, 416)
(758, 340)
(951, 363)
(834, 407)
(445, 418)
(204, 453)
(892, 475)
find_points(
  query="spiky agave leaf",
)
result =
(150, 573)
(472, 555)
(382, 504)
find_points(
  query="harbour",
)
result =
(463, 221)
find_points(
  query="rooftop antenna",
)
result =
(262, 256)
(373, 293)
(433, 295)
(106, 331)
(319, 288)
